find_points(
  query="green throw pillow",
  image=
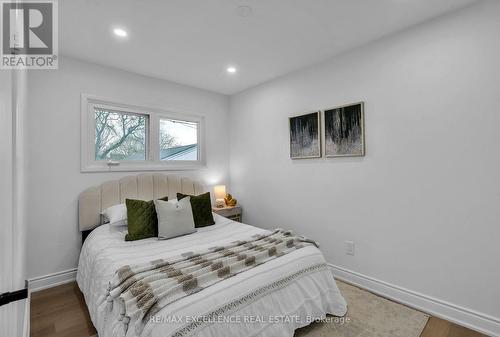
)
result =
(142, 219)
(202, 209)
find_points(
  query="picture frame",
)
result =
(344, 131)
(305, 135)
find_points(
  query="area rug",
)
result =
(368, 315)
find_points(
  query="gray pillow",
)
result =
(174, 218)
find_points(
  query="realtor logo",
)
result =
(29, 34)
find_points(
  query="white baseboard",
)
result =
(465, 317)
(51, 280)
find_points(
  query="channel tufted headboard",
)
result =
(145, 186)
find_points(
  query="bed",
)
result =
(272, 299)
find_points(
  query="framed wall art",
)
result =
(345, 131)
(305, 140)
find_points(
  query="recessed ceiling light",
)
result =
(231, 69)
(120, 32)
(244, 11)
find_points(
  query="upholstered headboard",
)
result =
(146, 186)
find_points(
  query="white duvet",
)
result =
(293, 304)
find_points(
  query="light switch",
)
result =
(349, 247)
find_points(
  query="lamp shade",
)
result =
(220, 191)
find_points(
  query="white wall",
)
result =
(53, 167)
(423, 206)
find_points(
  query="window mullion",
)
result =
(154, 138)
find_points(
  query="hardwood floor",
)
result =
(61, 312)
(437, 327)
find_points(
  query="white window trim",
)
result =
(152, 162)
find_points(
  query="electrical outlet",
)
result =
(349, 247)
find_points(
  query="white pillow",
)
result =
(116, 215)
(174, 219)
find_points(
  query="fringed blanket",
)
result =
(142, 290)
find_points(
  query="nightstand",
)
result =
(230, 212)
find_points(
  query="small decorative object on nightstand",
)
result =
(230, 212)
(230, 201)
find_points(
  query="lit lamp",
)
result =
(220, 193)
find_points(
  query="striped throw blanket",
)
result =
(142, 290)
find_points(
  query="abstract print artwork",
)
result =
(344, 131)
(304, 136)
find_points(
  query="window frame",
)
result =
(152, 162)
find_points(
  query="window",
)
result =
(178, 140)
(119, 137)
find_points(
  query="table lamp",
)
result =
(220, 193)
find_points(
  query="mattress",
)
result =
(272, 299)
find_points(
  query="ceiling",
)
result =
(193, 41)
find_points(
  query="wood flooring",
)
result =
(60, 312)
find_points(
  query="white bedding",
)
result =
(308, 296)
